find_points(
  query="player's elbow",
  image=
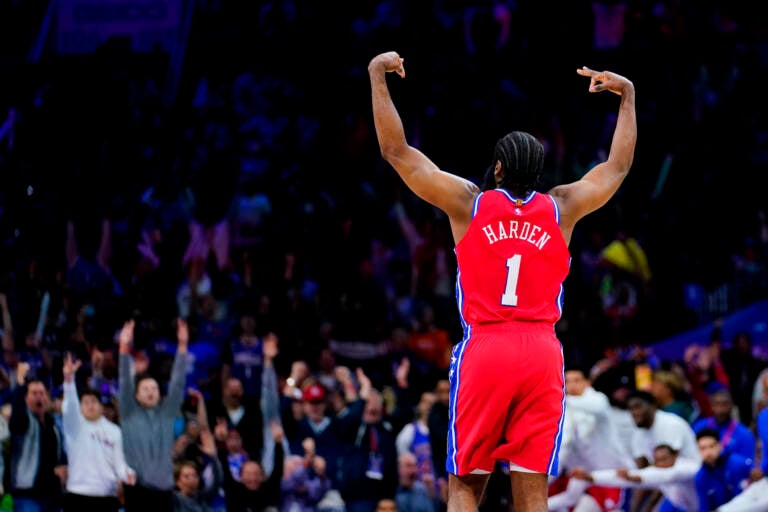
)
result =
(393, 152)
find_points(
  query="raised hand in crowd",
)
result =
(22, 370)
(344, 376)
(270, 349)
(220, 430)
(278, 434)
(365, 384)
(207, 442)
(70, 367)
(182, 336)
(125, 338)
(401, 374)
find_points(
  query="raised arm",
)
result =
(19, 421)
(591, 403)
(592, 191)
(179, 371)
(452, 194)
(5, 314)
(70, 406)
(126, 402)
(270, 396)
(202, 410)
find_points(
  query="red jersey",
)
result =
(512, 260)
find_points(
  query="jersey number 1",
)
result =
(510, 290)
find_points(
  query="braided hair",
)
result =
(522, 160)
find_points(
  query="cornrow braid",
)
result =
(522, 160)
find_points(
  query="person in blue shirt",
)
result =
(723, 474)
(755, 497)
(735, 437)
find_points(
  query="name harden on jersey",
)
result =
(526, 231)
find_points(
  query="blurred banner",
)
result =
(84, 25)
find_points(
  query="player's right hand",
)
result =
(389, 61)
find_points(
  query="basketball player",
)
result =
(506, 374)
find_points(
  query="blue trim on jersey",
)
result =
(561, 293)
(476, 204)
(512, 198)
(460, 303)
(557, 209)
(554, 458)
(457, 356)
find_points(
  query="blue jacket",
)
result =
(734, 436)
(718, 484)
(762, 433)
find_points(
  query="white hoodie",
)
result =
(94, 450)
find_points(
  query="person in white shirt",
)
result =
(656, 427)
(95, 449)
(672, 475)
(592, 443)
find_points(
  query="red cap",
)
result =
(314, 393)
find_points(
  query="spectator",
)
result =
(743, 370)
(669, 390)
(656, 428)
(255, 492)
(438, 431)
(705, 374)
(755, 496)
(204, 366)
(304, 481)
(233, 455)
(324, 427)
(414, 494)
(673, 476)
(245, 417)
(760, 393)
(723, 475)
(148, 424)
(244, 357)
(735, 437)
(95, 448)
(370, 465)
(594, 442)
(386, 505)
(189, 496)
(414, 438)
(194, 421)
(38, 461)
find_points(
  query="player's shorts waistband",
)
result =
(510, 327)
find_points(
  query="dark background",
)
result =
(287, 112)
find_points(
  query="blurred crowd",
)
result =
(251, 204)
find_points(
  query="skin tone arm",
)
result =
(126, 401)
(202, 411)
(178, 373)
(586, 195)
(8, 342)
(451, 194)
(455, 195)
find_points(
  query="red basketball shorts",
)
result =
(507, 398)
